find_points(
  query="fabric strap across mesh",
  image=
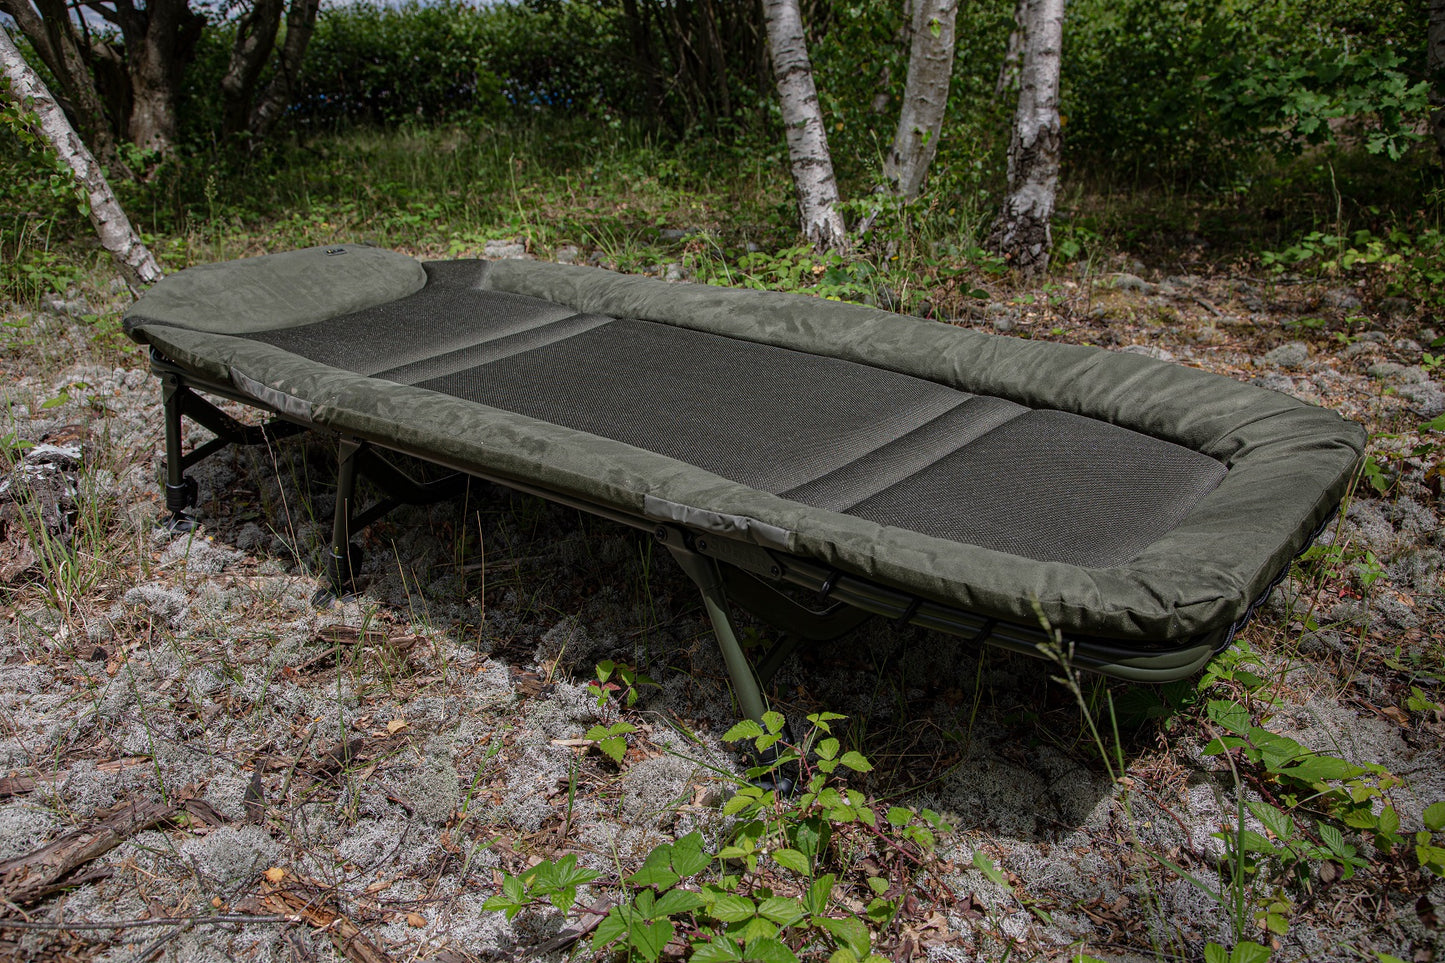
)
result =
(887, 447)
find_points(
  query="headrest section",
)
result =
(278, 290)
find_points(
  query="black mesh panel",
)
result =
(1052, 486)
(493, 350)
(763, 416)
(438, 319)
(892, 463)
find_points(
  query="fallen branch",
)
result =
(38, 874)
(20, 785)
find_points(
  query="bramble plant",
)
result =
(775, 887)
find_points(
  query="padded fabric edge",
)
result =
(1197, 579)
(277, 290)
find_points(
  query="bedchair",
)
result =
(811, 461)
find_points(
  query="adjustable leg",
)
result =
(703, 571)
(180, 488)
(341, 561)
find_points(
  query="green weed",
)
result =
(775, 887)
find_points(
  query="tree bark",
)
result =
(300, 23)
(925, 96)
(255, 38)
(1008, 71)
(160, 42)
(1022, 231)
(1435, 61)
(52, 34)
(812, 164)
(116, 233)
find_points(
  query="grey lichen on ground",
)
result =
(394, 753)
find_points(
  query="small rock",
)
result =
(1275, 381)
(1396, 307)
(1359, 348)
(673, 272)
(1399, 374)
(1375, 337)
(673, 234)
(567, 254)
(1150, 351)
(752, 247)
(1293, 355)
(1132, 282)
(1407, 347)
(1425, 398)
(72, 308)
(1003, 323)
(1342, 299)
(504, 250)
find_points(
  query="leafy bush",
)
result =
(1193, 87)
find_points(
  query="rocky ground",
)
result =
(258, 778)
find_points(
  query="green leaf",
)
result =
(1246, 952)
(720, 949)
(1316, 769)
(650, 938)
(755, 928)
(828, 749)
(1335, 840)
(816, 899)
(676, 902)
(1389, 824)
(747, 729)
(656, 870)
(985, 866)
(1214, 953)
(774, 721)
(854, 760)
(782, 910)
(732, 909)
(688, 858)
(1229, 715)
(1435, 812)
(898, 816)
(794, 860)
(1432, 858)
(850, 933)
(1275, 820)
(767, 950)
(613, 927)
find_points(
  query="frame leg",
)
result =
(180, 488)
(342, 558)
(703, 571)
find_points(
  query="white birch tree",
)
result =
(1022, 232)
(812, 164)
(116, 234)
(925, 95)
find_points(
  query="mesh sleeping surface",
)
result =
(887, 447)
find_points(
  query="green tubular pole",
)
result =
(340, 562)
(703, 571)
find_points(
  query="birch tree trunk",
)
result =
(1022, 233)
(116, 234)
(925, 96)
(803, 118)
(1435, 61)
(58, 46)
(1008, 71)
